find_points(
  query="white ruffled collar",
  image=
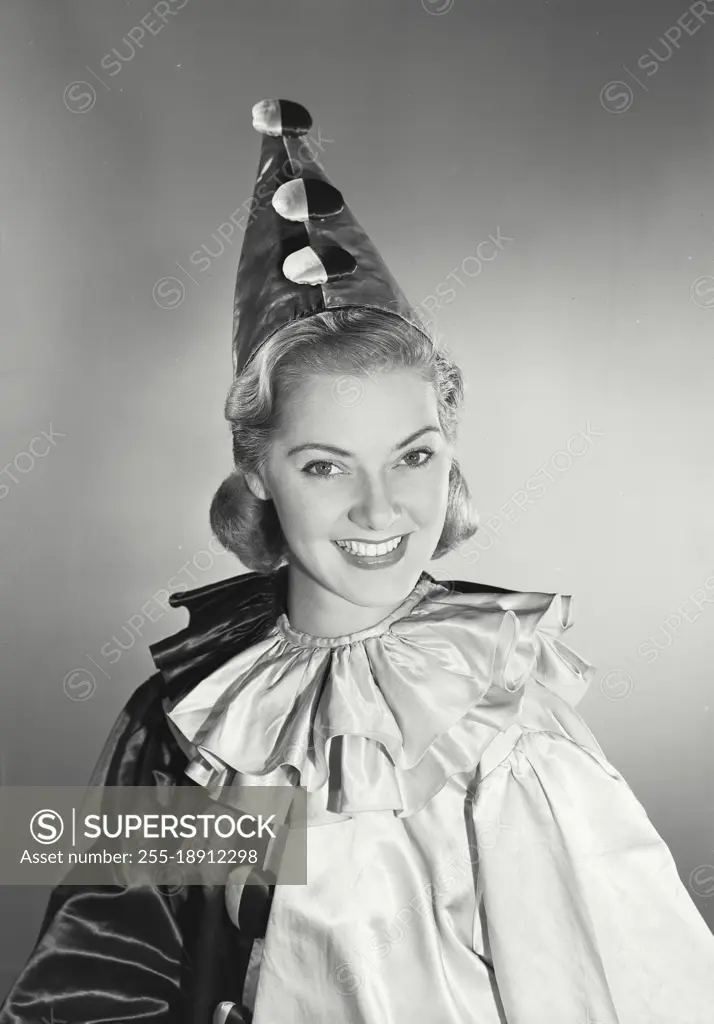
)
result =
(381, 718)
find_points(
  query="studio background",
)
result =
(584, 332)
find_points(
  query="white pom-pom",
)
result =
(307, 199)
(304, 267)
(267, 118)
(290, 200)
(281, 117)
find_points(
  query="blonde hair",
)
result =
(351, 341)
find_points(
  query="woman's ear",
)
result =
(256, 486)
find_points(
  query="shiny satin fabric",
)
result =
(395, 709)
(472, 854)
(265, 299)
(531, 888)
(383, 931)
(106, 955)
(123, 954)
(585, 913)
(535, 891)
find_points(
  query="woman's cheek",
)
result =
(320, 507)
(298, 508)
(427, 497)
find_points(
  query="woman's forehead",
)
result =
(403, 384)
(385, 406)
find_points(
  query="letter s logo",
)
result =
(616, 97)
(46, 826)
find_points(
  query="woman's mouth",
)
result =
(373, 556)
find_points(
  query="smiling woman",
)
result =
(287, 500)
(465, 829)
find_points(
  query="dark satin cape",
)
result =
(116, 955)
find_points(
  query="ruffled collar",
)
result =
(381, 718)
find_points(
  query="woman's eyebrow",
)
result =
(342, 451)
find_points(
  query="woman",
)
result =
(472, 855)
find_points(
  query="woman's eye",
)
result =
(414, 459)
(419, 451)
(320, 466)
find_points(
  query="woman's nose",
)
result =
(376, 508)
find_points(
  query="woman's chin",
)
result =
(372, 581)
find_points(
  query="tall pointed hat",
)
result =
(303, 250)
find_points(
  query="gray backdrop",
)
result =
(577, 135)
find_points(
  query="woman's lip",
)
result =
(357, 540)
(375, 561)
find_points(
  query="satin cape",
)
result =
(111, 954)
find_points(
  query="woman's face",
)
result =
(367, 471)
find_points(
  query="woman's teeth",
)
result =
(369, 549)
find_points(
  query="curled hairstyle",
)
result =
(346, 343)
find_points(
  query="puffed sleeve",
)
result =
(581, 906)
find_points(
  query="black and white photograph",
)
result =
(356, 504)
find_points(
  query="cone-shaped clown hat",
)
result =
(303, 251)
